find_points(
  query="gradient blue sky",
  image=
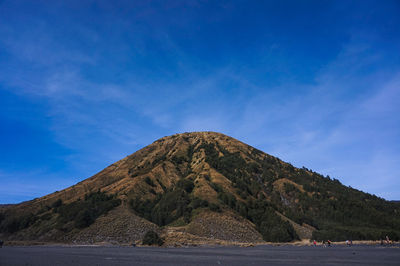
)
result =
(85, 83)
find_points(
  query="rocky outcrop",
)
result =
(223, 226)
(119, 226)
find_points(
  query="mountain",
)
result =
(202, 187)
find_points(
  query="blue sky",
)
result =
(85, 83)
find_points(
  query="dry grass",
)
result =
(279, 185)
(223, 226)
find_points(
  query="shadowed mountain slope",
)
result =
(202, 185)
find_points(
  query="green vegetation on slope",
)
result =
(78, 214)
(12, 224)
(168, 207)
(254, 206)
(337, 211)
(152, 238)
(84, 212)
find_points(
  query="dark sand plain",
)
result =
(259, 255)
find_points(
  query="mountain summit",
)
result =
(202, 187)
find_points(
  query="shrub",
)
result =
(178, 159)
(171, 206)
(14, 224)
(289, 188)
(186, 184)
(149, 181)
(227, 198)
(214, 207)
(83, 219)
(57, 203)
(216, 187)
(152, 238)
(198, 203)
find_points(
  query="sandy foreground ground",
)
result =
(200, 243)
(43, 255)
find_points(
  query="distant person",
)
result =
(387, 240)
(347, 242)
(323, 243)
(329, 243)
(351, 242)
(1, 243)
(315, 243)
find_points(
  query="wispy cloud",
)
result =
(112, 80)
(340, 126)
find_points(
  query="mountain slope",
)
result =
(206, 185)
